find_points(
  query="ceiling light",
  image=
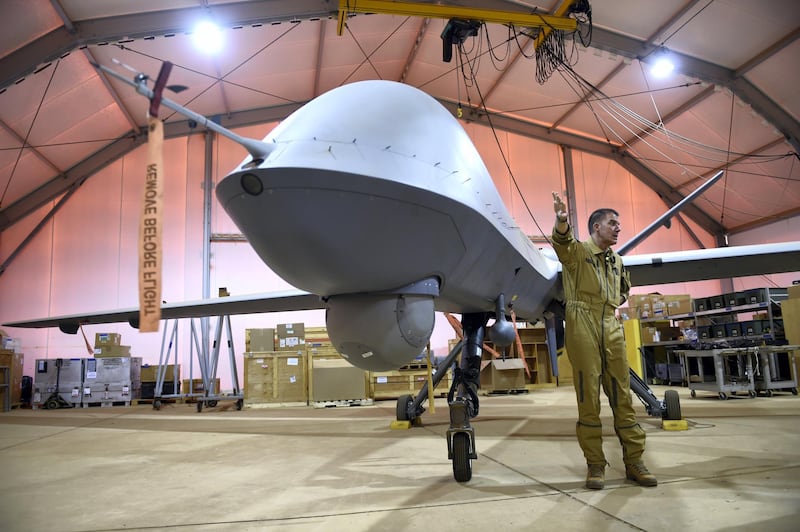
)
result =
(207, 37)
(662, 65)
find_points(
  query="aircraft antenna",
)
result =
(257, 149)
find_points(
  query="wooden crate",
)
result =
(393, 384)
(196, 387)
(317, 337)
(277, 377)
(14, 361)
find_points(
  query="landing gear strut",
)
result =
(669, 408)
(463, 398)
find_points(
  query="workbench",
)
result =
(722, 371)
(776, 369)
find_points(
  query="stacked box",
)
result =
(259, 340)
(291, 336)
(733, 299)
(393, 384)
(678, 304)
(107, 339)
(113, 351)
(317, 337)
(275, 377)
(716, 302)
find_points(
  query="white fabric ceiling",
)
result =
(733, 101)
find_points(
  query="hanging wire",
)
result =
(500, 148)
(28, 133)
(367, 57)
(727, 164)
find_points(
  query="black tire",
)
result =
(751, 393)
(693, 393)
(156, 405)
(212, 403)
(794, 391)
(402, 407)
(239, 404)
(672, 401)
(723, 396)
(51, 404)
(199, 406)
(462, 463)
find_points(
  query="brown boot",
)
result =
(638, 473)
(596, 476)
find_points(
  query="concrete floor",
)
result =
(306, 469)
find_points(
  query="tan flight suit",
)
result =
(595, 283)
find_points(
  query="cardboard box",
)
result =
(111, 350)
(679, 304)
(291, 336)
(500, 374)
(336, 380)
(660, 333)
(103, 339)
(259, 340)
(197, 387)
(150, 373)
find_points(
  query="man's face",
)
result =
(607, 231)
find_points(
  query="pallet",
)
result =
(346, 402)
(105, 404)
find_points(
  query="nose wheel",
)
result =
(461, 441)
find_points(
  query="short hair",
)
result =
(598, 215)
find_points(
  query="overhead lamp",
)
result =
(662, 64)
(207, 37)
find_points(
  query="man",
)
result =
(595, 284)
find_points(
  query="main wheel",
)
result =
(51, 404)
(723, 396)
(751, 393)
(403, 402)
(673, 403)
(462, 463)
(239, 404)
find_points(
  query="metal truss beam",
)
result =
(596, 147)
(703, 70)
(82, 171)
(416, 9)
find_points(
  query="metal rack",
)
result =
(733, 370)
(208, 360)
(777, 369)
